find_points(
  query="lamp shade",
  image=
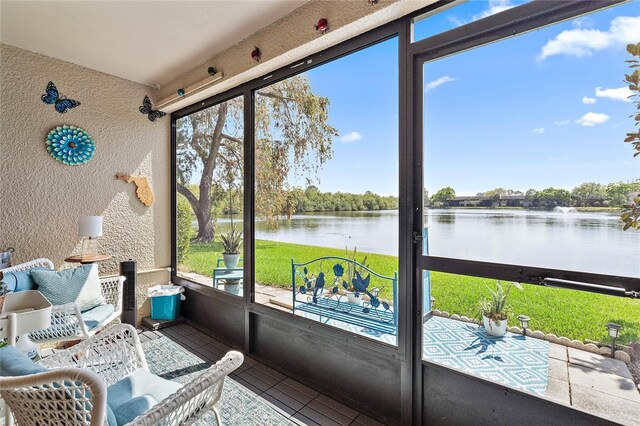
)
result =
(90, 226)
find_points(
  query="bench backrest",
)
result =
(329, 277)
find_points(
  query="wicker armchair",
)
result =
(74, 391)
(66, 320)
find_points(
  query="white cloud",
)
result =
(592, 118)
(495, 6)
(538, 130)
(619, 94)
(562, 122)
(580, 42)
(588, 101)
(458, 22)
(582, 22)
(440, 81)
(350, 137)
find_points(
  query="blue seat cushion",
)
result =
(14, 363)
(21, 280)
(96, 316)
(137, 393)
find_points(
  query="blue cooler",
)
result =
(165, 301)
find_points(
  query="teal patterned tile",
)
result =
(514, 360)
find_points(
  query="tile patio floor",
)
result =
(291, 399)
(590, 382)
(587, 381)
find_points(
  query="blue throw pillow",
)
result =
(21, 280)
(61, 287)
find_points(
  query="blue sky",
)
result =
(543, 109)
(363, 91)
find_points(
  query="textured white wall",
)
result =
(41, 198)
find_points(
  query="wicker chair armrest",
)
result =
(66, 322)
(191, 401)
(42, 263)
(65, 392)
(112, 354)
(111, 288)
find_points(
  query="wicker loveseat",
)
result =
(105, 380)
(67, 321)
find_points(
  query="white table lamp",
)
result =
(90, 227)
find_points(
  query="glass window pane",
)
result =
(210, 196)
(525, 164)
(524, 155)
(455, 15)
(454, 334)
(327, 193)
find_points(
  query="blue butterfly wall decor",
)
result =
(152, 114)
(61, 104)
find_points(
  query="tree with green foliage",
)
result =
(291, 122)
(183, 222)
(293, 139)
(620, 193)
(530, 194)
(588, 193)
(443, 195)
(552, 197)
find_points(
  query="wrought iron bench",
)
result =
(319, 287)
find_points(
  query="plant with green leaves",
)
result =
(183, 220)
(496, 308)
(352, 268)
(631, 213)
(232, 241)
(633, 80)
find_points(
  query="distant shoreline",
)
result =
(578, 209)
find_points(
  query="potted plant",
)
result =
(494, 311)
(231, 243)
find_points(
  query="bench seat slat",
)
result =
(352, 314)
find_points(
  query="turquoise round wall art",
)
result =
(70, 145)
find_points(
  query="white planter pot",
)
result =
(233, 287)
(352, 298)
(231, 260)
(494, 329)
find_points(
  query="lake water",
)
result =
(589, 242)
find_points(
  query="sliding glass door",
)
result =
(524, 178)
(326, 194)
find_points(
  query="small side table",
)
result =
(87, 258)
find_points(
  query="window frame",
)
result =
(248, 90)
(411, 57)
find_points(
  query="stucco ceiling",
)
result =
(150, 42)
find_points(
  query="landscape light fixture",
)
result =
(524, 322)
(614, 332)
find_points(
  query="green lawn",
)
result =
(573, 314)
